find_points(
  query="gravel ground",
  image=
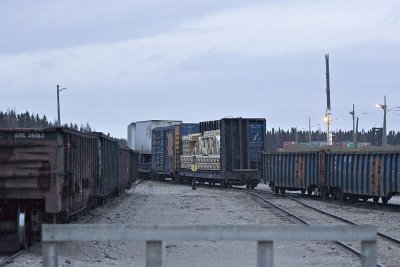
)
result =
(163, 203)
(386, 220)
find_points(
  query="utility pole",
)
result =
(354, 130)
(58, 105)
(355, 144)
(384, 136)
(309, 130)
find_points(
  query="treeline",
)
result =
(12, 119)
(276, 138)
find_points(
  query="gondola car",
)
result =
(46, 175)
(343, 174)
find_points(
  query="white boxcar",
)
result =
(139, 134)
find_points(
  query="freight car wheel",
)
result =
(376, 200)
(309, 191)
(282, 191)
(276, 189)
(22, 228)
(303, 191)
(384, 200)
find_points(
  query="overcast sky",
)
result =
(125, 61)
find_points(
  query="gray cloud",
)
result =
(264, 60)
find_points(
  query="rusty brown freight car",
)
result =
(128, 168)
(133, 165)
(46, 175)
(124, 181)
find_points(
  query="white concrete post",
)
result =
(50, 258)
(265, 254)
(368, 253)
(153, 253)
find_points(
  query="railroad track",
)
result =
(380, 234)
(9, 259)
(368, 205)
(5, 259)
(302, 220)
(139, 182)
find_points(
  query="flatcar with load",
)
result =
(224, 152)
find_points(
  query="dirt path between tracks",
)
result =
(163, 203)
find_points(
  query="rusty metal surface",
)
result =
(133, 166)
(166, 147)
(294, 170)
(108, 165)
(372, 173)
(56, 165)
(124, 180)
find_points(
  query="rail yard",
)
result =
(165, 203)
(210, 173)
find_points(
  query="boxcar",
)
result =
(140, 138)
(235, 159)
(167, 148)
(294, 171)
(46, 175)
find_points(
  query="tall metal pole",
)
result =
(58, 106)
(328, 103)
(354, 130)
(384, 135)
(309, 130)
(355, 144)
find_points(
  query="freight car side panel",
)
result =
(124, 180)
(167, 147)
(368, 173)
(133, 166)
(242, 140)
(108, 165)
(293, 170)
(256, 142)
(158, 150)
(56, 165)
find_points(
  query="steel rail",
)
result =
(8, 259)
(349, 248)
(383, 235)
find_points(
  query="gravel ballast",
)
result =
(163, 203)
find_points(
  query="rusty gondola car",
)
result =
(128, 168)
(46, 175)
(108, 166)
(335, 173)
(294, 171)
(363, 174)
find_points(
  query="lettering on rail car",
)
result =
(29, 135)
